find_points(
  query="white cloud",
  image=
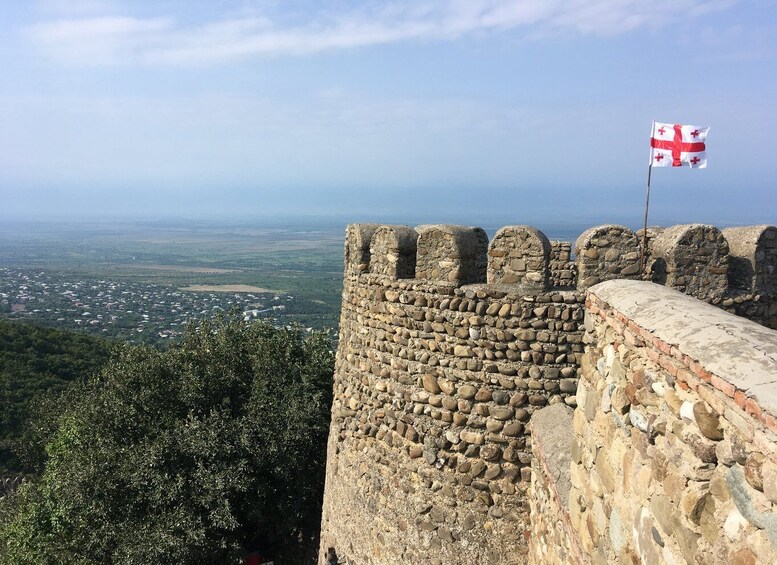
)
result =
(163, 40)
(71, 8)
(66, 30)
(100, 40)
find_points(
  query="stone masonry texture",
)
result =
(693, 259)
(607, 252)
(674, 450)
(455, 254)
(673, 456)
(753, 257)
(448, 348)
(519, 255)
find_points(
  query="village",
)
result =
(128, 310)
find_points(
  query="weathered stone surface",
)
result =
(754, 470)
(646, 546)
(519, 255)
(472, 437)
(501, 413)
(638, 420)
(467, 392)
(430, 384)
(692, 258)
(454, 254)
(722, 344)
(437, 386)
(357, 248)
(605, 470)
(606, 252)
(709, 424)
(752, 258)
(769, 480)
(568, 385)
(563, 271)
(743, 557)
(393, 251)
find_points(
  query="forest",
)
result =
(164, 390)
(37, 364)
(202, 452)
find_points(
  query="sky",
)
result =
(443, 110)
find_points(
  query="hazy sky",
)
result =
(435, 108)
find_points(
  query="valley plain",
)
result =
(143, 280)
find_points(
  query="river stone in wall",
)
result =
(393, 251)
(519, 255)
(563, 270)
(692, 258)
(455, 254)
(606, 252)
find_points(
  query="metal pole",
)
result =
(643, 257)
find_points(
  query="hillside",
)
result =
(34, 360)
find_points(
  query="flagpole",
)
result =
(643, 257)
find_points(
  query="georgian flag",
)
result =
(677, 145)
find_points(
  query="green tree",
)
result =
(36, 361)
(187, 455)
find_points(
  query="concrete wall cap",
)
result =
(735, 349)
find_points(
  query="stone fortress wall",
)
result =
(671, 453)
(450, 344)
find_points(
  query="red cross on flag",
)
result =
(675, 145)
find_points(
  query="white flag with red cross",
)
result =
(675, 145)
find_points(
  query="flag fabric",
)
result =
(675, 145)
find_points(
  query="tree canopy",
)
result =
(188, 455)
(36, 361)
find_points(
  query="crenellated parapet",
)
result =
(607, 252)
(692, 258)
(393, 251)
(455, 254)
(449, 345)
(752, 258)
(357, 248)
(520, 255)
